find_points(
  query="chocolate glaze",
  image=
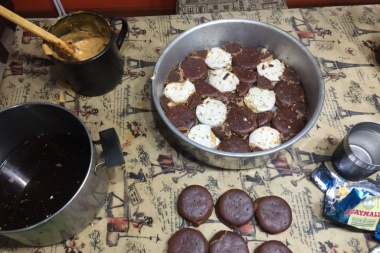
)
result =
(235, 208)
(235, 145)
(272, 246)
(246, 59)
(242, 89)
(182, 117)
(175, 76)
(264, 118)
(222, 132)
(290, 76)
(287, 122)
(241, 120)
(232, 47)
(195, 204)
(264, 83)
(166, 103)
(194, 69)
(264, 54)
(227, 241)
(205, 89)
(202, 54)
(188, 240)
(245, 75)
(287, 93)
(273, 214)
(194, 100)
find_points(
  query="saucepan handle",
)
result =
(112, 151)
(123, 31)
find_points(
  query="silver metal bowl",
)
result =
(251, 34)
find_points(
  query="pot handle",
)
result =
(123, 31)
(113, 154)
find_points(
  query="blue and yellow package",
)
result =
(356, 204)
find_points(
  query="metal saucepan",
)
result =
(50, 188)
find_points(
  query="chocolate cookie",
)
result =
(235, 208)
(202, 54)
(166, 103)
(222, 132)
(194, 100)
(188, 240)
(194, 69)
(288, 93)
(228, 242)
(246, 59)
(195, 204)
(264, 54)
(245, 75)
(264, 118)
(235, 145)
(287, 122)
(232, 47)
(300, 108)
(242, 120)
(290, 76)
(272, 246)
(242, 89)
(273, 214)
(205, 89)
(264, 83)
(175, 76)
(182, 117)
(231, 99)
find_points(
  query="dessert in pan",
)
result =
(235, 98)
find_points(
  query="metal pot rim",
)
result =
(89, 169)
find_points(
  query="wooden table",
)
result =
(143, 194)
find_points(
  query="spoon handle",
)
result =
(26, 24)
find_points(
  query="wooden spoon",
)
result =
(26, 24)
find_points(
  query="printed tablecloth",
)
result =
(142, 193)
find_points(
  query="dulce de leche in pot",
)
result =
(84, 44)
(97, 65)
(88, 38)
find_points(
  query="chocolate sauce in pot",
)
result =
(40, 176)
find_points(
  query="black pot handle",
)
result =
(112, 151)
(123, 31)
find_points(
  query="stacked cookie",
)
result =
(235, 99)
(234, 208)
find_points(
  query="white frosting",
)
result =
(260, 100)
(211, 112)
(223, 80)
(179, 92)
(217, 58)
(265, 138)
(203, 135)
(271, 69)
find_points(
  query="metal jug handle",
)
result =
(123, 31)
